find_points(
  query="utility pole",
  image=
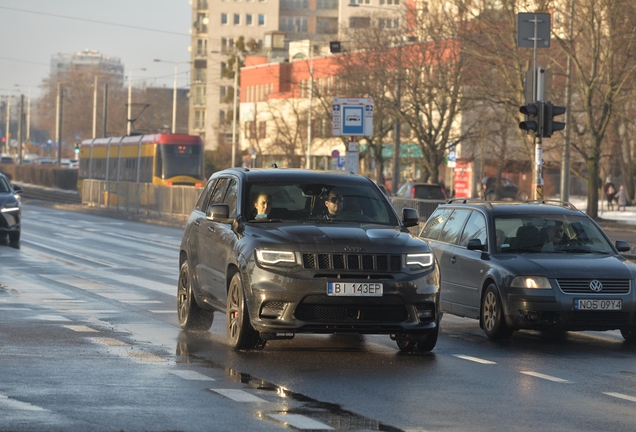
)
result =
(6, 132)
(396, 133)
(311, 105)
(58, 128)
(95, 109)
(20, 128)
(236, 72)
(105, 114)
(565, 156)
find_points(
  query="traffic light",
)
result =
(76, 148)
(533, 117)
(549, 125)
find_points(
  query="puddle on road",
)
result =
(330, 414)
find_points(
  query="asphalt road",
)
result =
(90, 341)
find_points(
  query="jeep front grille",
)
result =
(378, 262)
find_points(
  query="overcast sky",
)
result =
(136, 31)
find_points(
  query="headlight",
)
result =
(535, 282)
(275, 257)
(422, 259)
(11, 206)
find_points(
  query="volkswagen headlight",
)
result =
(533, 282)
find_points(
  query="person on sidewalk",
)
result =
(610, 193)
(622, 198)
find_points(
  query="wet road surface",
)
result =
(89, 341)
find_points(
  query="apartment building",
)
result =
(273, 24)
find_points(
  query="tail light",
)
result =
(168, 183)
(198, 184)
(413, 192)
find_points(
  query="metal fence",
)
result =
(180, 200)
(140, 197)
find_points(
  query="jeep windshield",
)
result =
(552, 233)
(329, 203)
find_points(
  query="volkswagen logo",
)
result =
(596, 285)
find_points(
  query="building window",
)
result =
(237, 19)
(223, 45)
(261, 19)
(388, 22)
(199, 75)
(327, 4)
(262, 127)
(223, 19)
(327, 25)
(202, 47)
(359, 22)
(202, 4)
(293, 24)
(248, 19)
(222, 93)
(294, 4)
(199, 95)
(199, 119)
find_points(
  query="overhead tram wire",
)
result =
(95, 21)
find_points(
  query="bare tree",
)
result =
(602, 51)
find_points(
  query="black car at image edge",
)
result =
(328, 255)
(540, 266)
(10, 209)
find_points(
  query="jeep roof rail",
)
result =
(552, 202)
(469, 201)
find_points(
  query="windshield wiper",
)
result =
(265, 220)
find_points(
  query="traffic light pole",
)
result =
(539, 79)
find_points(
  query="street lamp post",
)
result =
(174, 93)
(236, 73)
(129, 118)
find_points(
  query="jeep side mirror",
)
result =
(410, 217)
(217, 212)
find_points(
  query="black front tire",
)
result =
(629, 334)
(240, 333)
(191, 315)
(421, 346)
(492, 315)
(14, 236)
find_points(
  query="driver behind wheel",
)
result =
(334, 203)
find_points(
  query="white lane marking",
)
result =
(238, 395)
(145, 356)
(191, 375)
(90, 311)
(63, 301)
(141, 282)
(300, 421)
(163, 311)
(474, 359)
(15, 308)
(51, 318)
(16, 404)
(109, 341)
(111, 292)
(81, 328)
(621, 396)
(547, 377)
(46, 247)
(140, 301)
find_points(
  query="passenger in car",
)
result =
(262, 205)
(554, 237)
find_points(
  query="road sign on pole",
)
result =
(352, 117)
